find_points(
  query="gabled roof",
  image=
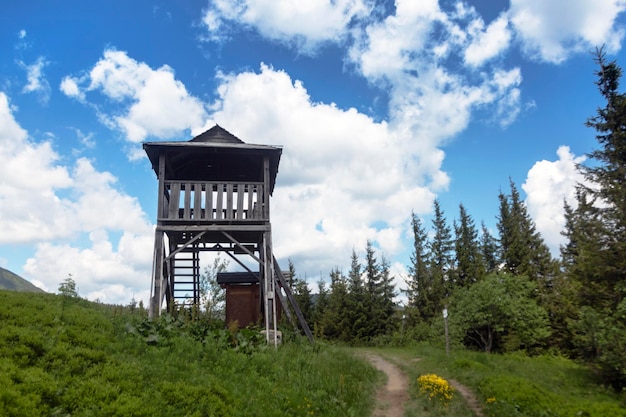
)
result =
(217, 134)
(215, 155)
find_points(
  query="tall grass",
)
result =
(67, 357)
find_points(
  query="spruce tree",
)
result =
(357, 309)
(608, 174)
(388, 292)
(419, 278)
(440, 261)
(469, 265)
(301, 292)
(335, 320)
(319, 308)
(523, 251)
(595, 255)
(373, 292)
(488, 250)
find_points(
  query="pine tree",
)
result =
(595, 256)
(388, 292)
(335, 320)
(373, 291)
(488, 250)
(357, 299)
(419, 279)
(301, 292)
(320, 307)
(514, 250)
(609, 176)
(440, 261)
(469, 265)
(523, 251)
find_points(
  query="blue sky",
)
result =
(381, 107)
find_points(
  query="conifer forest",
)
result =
(504, 291)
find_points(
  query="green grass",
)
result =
(507, 385)
(62, 356)
(68, 357)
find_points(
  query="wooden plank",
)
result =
(208, 203)
(157, 276)
(215, 228)
(174, 200)
(197, 201)
(266, 188)
(261, 203)
(162, 193)
(219, 202)
(250, 211)
(240, 192)
(229, 201)
(187, 206)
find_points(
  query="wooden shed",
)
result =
(243, 298)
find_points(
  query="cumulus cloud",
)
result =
(52, 205)
(547, 186)
(30, 175)
(69, 87)
(409, 53)
(550, 30)
(102, 271)
(488, 42)
(305, 24)
(344, 178)
(153, 103)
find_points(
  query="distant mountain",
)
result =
(13, 282)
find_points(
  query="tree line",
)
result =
(504, 292)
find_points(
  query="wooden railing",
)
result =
(210, 201)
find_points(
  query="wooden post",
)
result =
(157, 269)
(445, 325)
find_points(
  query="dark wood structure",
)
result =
(214, 195)
(243, 298)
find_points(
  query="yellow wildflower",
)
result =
(435, 387)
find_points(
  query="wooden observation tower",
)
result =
(214, 195)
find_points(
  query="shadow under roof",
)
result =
(215, 155)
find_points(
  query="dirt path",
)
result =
(391, 398)
(468, 395)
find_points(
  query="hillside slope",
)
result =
(13, 282)
(67, 356)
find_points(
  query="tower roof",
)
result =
(217, 134)
(215, 155)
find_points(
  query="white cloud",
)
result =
(101, 271)
(547, 186)
(36, 81)
(489, 42)
(153, 102)
(409, 53)
(29, 176)
(343, 177)
(69, 87)
(552, 30)
(52, 205)
(303, 23)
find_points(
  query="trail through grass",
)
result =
(504, 385)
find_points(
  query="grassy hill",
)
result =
(66, 356)
(13, 282)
